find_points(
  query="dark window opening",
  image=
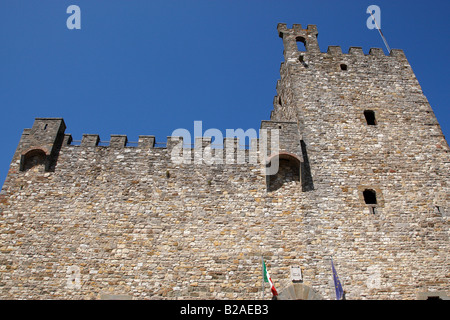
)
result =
(370, 117)
(279, 101)
(288, 171)
(34, 158)
(45, 127)
(301, 43)
(343, 67)
(307, 180)
(370, 196)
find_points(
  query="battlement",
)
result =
(275, 137)
(296, 29)
(308, 36)
(290, 38)
(352, 164)
(345, 70)
(358, 51)
(148, 142)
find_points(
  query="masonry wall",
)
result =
(129, 221)
(132, 222)
(404, 157)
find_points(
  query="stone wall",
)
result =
(129, 221)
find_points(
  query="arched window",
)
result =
(288, 171)
(35, 158)
(301, 44)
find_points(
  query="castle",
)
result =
(362, 180)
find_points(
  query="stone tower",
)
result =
(362, 179)
(365, 125)
(376, 152)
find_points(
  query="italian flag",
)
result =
(268, 279)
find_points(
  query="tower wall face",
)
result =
(402, 152)
(119, 220)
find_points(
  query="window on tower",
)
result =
(370, 117)
(370, 196)
(35, 158)
(301, 43)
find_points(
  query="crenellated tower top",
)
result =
(290, 38)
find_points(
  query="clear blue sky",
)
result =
(141, 67)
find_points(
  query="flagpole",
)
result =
(262, 273)
(381, 33)
(332, 275)
(337, 283)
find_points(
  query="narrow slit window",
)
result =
(370, 117)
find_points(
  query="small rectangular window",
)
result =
(370, 117)
(370, 196)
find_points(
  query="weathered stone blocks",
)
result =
(122, 221)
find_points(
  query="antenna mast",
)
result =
(381, 33)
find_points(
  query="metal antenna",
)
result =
(381, 33)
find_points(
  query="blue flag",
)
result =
(337, 283)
